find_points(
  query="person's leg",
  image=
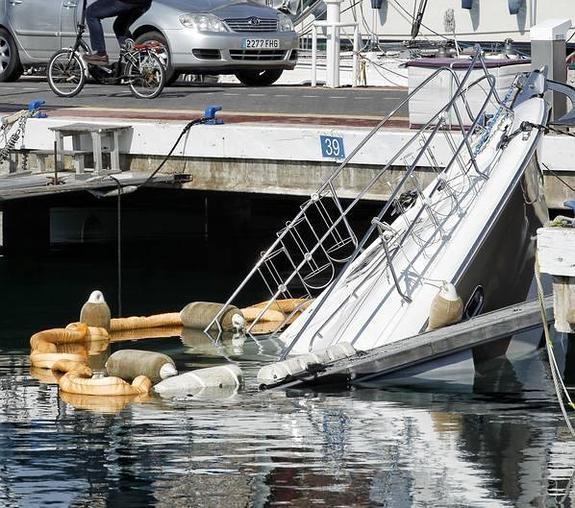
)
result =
(95, 12)
(125, 20)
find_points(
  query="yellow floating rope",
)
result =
(138, 322)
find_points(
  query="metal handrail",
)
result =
(393, 196)
(435, 122)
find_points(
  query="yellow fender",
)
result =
(47, 360)
(251, 313)
(446, 308)
(73, 382)
(138, 322)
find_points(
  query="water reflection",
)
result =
(503, 445)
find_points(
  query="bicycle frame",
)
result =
(114, 71)
(79, 42)
(127, 69)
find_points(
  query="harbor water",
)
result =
(501, 443)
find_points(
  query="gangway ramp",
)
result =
(416, 350)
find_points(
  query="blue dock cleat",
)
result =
(34, 108)
(210, 115)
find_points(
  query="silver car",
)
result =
(252, 41)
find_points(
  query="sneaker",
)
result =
(95, 58)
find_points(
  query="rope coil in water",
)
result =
(171, 319)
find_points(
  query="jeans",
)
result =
(126, 15)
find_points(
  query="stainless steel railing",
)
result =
(311, 251)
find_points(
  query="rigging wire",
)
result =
(414, 19)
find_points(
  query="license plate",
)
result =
(261, 43)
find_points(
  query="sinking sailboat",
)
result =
(472, 228)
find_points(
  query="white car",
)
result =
(252, 41)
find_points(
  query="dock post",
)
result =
(333, 43)
(548, 48)
(556, 254)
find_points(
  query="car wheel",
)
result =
(259, 78)
(173, 77)
(164, 56)
(10, 67)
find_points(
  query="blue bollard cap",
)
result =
(34, 108)
(210, 115)
(36, 104)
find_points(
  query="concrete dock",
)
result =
(270, 143)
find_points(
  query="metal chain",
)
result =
(10, 144)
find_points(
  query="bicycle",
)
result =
(138, 66)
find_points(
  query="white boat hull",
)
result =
(489, 244)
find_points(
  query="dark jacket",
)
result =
(143, 3)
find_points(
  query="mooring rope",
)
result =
(10, 142)
(560, 389)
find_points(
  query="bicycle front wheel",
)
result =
(146, 75)
(66, 75)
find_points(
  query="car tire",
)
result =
(171, 73)
(10, 66)
(259, 78)
(173, 77)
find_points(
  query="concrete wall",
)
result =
(282, 159)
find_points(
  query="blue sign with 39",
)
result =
(332, 147)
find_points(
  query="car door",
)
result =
(36, 26)
(70, 16)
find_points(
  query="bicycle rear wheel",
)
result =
(66, 74)
(146, 75)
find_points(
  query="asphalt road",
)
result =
(367, 103)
